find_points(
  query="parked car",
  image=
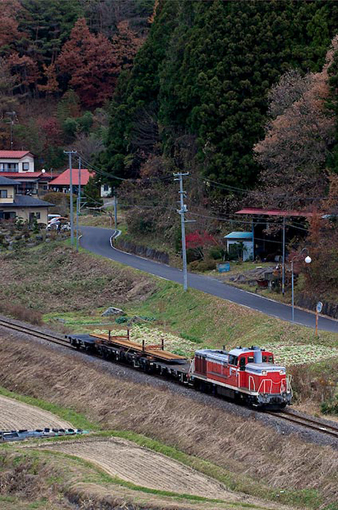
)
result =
(61, 224)
(51, 217)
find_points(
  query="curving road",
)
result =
(97, 240)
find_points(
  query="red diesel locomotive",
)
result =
(246, 374)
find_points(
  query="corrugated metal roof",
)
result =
(64, 178)
(14, 154)
(274, 212)
(239, 235)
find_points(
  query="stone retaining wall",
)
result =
(310, 302)
(142, 251)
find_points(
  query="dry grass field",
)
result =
(141, 466)
(247, 456)
(16, 415)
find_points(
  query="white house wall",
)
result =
(19, 162)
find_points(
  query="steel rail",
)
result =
(34, 332)
(309, 423)
(285, 415)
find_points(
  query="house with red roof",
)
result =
(62, 181)
(19, 165)
(16, 161)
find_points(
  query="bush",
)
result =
(21, 312)
(142, 222)
(330, 407)
(216, 253)
(202, 265)
(60, 200)
(121, 320)
(194, 254)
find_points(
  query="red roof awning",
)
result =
(274, 212)
(64, 178)
(25, 175)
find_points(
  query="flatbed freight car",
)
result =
(153, 359)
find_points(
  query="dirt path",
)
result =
(16, 415)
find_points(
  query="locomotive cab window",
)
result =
(267, 359)
(242, 362)
(233, 359)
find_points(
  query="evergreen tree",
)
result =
(45, 26)
(206, 69)
(137, 91)
(91, 193)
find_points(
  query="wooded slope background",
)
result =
(141, 87)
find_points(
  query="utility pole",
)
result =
(283, 268)
(78, 204)
(115, 209)
(183, 209)
(12, 115)
(70, 154)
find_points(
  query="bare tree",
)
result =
(297, 142)
(88, 146)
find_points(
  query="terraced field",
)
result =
(17, 415)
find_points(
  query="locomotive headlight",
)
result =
(264, 372)
(282, 372)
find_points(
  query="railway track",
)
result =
(307, 422)
(34, 332)
(290, 416)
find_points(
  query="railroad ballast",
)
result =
(246, 374)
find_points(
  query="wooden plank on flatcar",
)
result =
(122, 341)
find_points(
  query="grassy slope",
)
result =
(61, 284)
(53, 279)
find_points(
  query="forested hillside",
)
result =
(191, 83)
(201, 82)
(59, 64)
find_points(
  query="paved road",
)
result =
(97, 240)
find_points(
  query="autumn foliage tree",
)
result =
(321, 278)
(8, 24)
(298, 139)
(87, 63)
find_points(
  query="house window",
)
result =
(37, 215)
(3, 193)
(105, 187)
(25, 166)
(9, 167)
